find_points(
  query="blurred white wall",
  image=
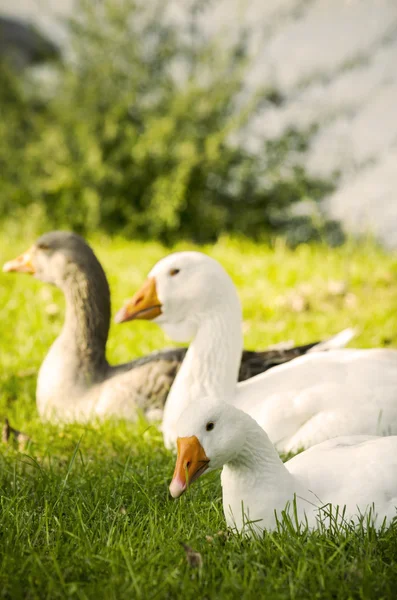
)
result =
(335, 62)
(43, 13)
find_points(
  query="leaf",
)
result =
(21, 438)
(194, 559)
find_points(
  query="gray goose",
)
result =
(75, 381)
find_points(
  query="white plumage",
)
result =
(336, 482)
(306, 401)
(340, 392)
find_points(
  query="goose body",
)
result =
(308, 400)
(341, 392)
(339, 481)
(75, 380)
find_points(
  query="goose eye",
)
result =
(43, 247)
(174, 272)
(210, 426)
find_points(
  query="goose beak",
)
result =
(21, 264)
(191, 462)
(143, 305)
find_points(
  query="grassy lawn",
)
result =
(85, 511)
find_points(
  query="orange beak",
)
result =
(143, 305)
(22, 264)
(191, 462)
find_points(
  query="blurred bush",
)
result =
(142, 132)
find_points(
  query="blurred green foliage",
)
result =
(142, 133)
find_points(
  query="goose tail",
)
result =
(340, 340)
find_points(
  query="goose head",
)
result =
(54, 257)
(208, 438)
(179, 291)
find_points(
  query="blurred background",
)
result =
(188, 119)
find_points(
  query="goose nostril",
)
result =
(188, 464)
(138, 300)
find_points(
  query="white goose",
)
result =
(339, 481)
(308, 400)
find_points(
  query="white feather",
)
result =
(334, 483)
(300, 403)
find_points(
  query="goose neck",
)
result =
(257, 462)
(214, 356)
(87, 316)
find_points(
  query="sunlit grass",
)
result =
(85, 511)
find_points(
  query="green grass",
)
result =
(85, 511)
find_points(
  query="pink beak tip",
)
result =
(177, 488)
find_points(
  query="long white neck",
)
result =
(255, 482)
(258, 460)
(211, 364)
